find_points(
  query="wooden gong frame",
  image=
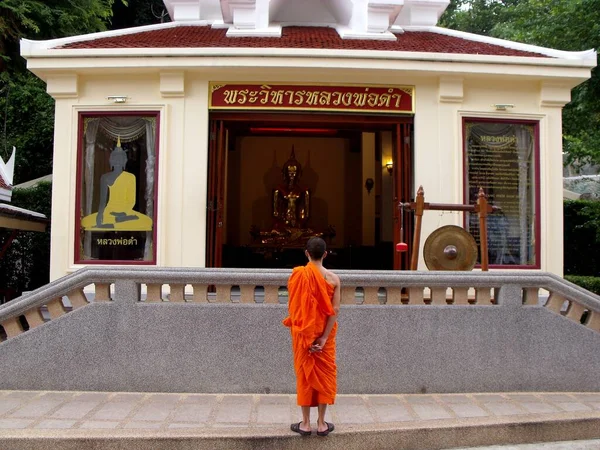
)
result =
(482, 208)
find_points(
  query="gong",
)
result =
(450, 248)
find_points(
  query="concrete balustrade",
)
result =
(220, 330)
(268, 287)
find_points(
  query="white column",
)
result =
(195, 175)
(552, 99)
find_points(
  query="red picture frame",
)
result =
(536, 182)
(79, 177)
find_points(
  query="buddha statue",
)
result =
(291, 203)
(291, 211)
(117, 199)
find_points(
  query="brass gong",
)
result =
(450, 248)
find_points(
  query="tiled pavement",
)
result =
(30, 410)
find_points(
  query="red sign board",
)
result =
(370, 99)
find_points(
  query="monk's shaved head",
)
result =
(316, 247)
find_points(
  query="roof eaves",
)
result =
(553, 53)
(31, 47)
(266, 52)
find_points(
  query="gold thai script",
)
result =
(268, 96)
(501, 139)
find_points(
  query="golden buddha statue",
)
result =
(117, 199)
(291, 211)
(291, 203)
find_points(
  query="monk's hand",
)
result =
(318, 345)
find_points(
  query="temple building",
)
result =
(231, 135)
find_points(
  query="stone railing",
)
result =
(471, 289)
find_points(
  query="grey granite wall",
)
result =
(233, 348)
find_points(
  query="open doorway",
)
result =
(276, 181)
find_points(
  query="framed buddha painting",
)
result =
(117, 173)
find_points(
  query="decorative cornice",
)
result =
(172, 84)
(63, 86)
(451, 90)
(554, 95)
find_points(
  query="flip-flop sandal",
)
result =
(295, 427)
(330, 428)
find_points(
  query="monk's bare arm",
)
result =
(335, 303)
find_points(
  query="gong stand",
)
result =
(482, 208)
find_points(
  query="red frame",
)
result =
(536, 181)
(401, 127)
(81, 116)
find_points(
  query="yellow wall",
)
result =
(441, 103)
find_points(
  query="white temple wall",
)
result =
(441, 103)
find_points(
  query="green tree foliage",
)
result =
(26, 111)
(26, 264)
(572, 25)
(582, 237)
(138, 12)
(48, 19)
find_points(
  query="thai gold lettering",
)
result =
(243, 96)
(277, 97)
(291, 95)
(324, 98)
(299, 98)
(347, 99)
(384, 100)
(312, 98)
(359, 99)
(372, 99)
(338, 98)
(253, 96)
(264, 97)
(230, 96)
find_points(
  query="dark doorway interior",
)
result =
(275, 181)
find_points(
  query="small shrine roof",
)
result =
(295, 37)
(21, 213)
(3, 183)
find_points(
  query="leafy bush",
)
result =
(26, 264)
(582, 237)
(592, 284)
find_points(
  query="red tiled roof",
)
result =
(296, 37)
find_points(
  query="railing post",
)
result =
(371, 296)
(126, 291)
(510, 295)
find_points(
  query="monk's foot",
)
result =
(324, 428)
(301, 428)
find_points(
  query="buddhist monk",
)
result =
(314, 304)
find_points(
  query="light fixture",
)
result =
(117, 98)
(369, 183)
(389, 166)
(503, 106)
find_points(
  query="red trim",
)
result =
(536, 157)
(293, 130)
(80, 136)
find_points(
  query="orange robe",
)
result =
(310, 298)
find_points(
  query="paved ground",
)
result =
(41, 420)
(110, 410)
(568, 445)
